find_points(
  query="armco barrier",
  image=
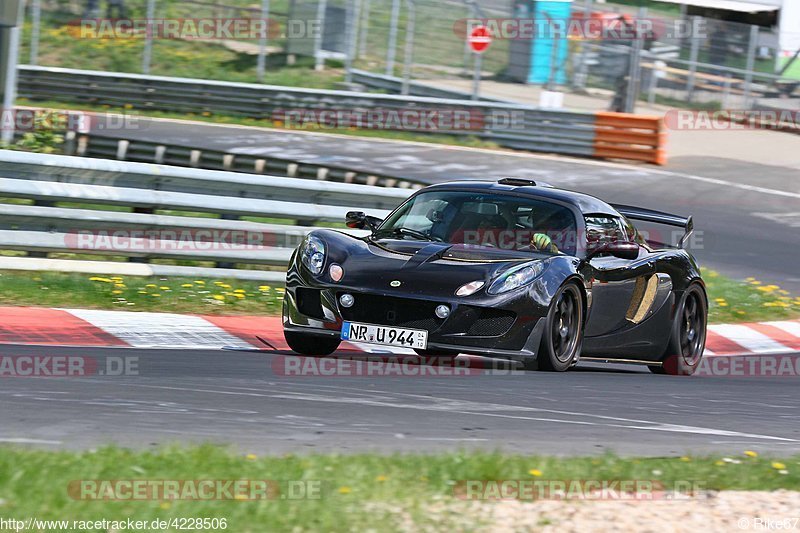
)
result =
(149, 198)
(509, 125)
(628, 136)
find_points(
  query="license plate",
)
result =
(385, 335)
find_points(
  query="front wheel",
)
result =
(688, 336)
(562, 338)
(315, 345)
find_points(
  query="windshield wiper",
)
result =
(401, 232)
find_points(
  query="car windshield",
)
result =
(485, 221)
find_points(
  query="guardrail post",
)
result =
(409, 57)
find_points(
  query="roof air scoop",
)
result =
(517, 182)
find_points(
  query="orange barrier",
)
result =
(628, 136)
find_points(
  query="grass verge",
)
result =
(729, 300)
(356, 492)
(174, 294)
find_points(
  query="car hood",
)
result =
(421, 267)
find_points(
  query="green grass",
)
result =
(358, 492)
(748, 301)
(173, 294)
(730, 301)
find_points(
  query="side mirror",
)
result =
(356, 219)
(622, 250)
(360, 220)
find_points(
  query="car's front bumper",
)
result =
(510, 328)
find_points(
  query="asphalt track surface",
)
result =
(746, 215)
(242, 399)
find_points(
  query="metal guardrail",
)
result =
(147, 203)
(110, 146)
(394, 85)
(509, 125)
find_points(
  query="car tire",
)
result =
(688, 335)
(562, 338)
(314, 345)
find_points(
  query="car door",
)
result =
(615, 286)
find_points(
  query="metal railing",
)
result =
(227, 224)
(509, 125)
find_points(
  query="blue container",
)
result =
(548, 47)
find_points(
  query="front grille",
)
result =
(389, 311)
(491, 323)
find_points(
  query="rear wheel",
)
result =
(688, 337)
(563, 333)
(311, 344)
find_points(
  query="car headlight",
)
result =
(516, 277)
(312, 254)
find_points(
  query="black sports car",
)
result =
(507, 269)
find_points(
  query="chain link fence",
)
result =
(714, 64)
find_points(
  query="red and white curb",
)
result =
(86, 327)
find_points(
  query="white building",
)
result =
(784, 15)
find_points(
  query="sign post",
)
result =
(10, 19)
(479, 40)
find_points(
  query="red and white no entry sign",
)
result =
(479, 39)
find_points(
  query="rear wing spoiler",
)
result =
(658, 217)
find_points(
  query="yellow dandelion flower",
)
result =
(116, 292)
(251, 457)
(187, 285)
(156, 295)
(164, 288)
(778, 466)
(240, 291)
(219, 297)
(750, 453)
(151, 286)
(534, 472)
(239, 296)
(685, 459)
(264, 287)
(381, 479)
(199, 282)
(345, 490)
(720, 463)
(165, 505)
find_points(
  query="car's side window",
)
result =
(603, 229)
